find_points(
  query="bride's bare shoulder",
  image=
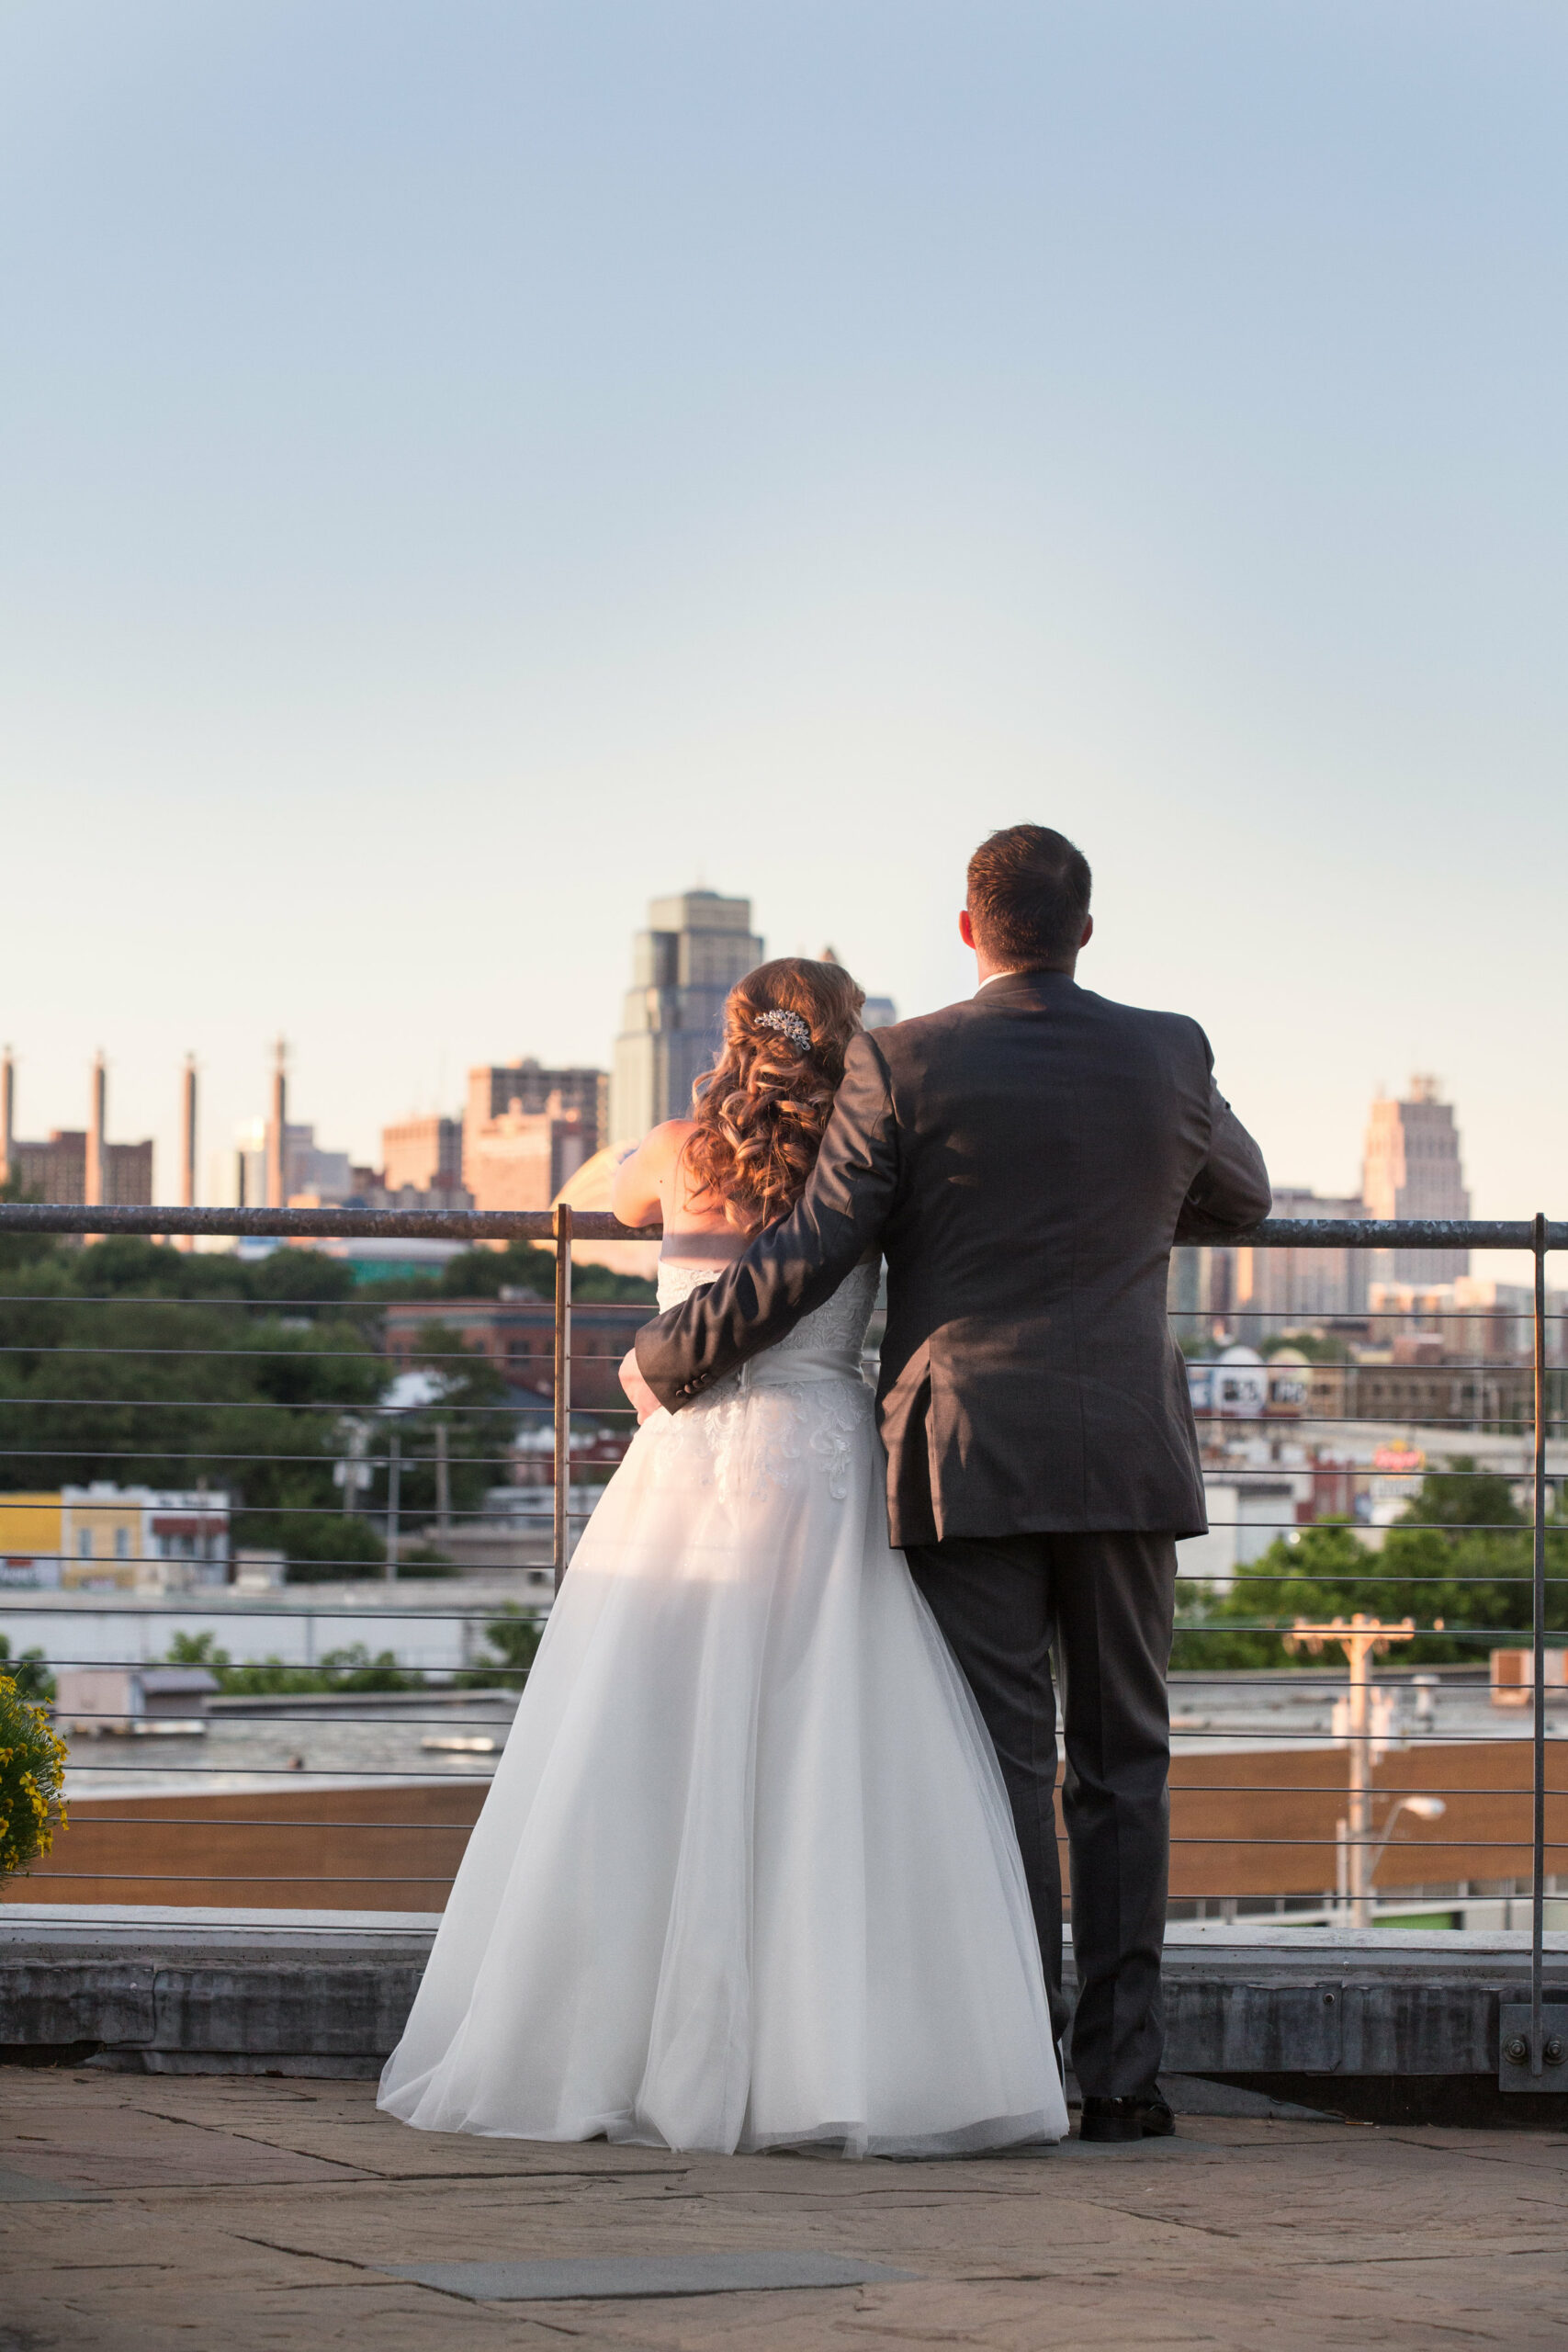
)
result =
(641, 1182)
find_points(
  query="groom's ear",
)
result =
(1088, 930)
(965, 928)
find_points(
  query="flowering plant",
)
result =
(32, 1770)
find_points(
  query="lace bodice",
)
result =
(826, 1343)
(801, 1409)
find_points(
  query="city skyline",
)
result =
(1432, 1187)
(551, 459)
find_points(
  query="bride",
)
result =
(747, 1875)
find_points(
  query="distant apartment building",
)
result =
(56, 1170)
(1200, 1291)
(104, 1537)
(1411, 1169)
(1287, 1290)
(425, 1154)
(29, 1542)
(1258, 1292)
(527, 1130)
(308, 1173)
(696, 947)
(1471, 1319)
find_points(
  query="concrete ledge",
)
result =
(1344, 2001)
(326, 1993)
(195, 1992)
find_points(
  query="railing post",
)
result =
(394, 1478)
(1538, 1887)
(443, 1485)
(563, 1390)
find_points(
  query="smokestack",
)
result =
(97, 1108)
(188, 1145)
(7, 1113)
(278, 1134)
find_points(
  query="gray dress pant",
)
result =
(1102, 1605)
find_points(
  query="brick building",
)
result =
(517, 1335)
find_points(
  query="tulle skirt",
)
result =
(747, 1874)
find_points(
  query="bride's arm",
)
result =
(797, 1263)
(635, 1194)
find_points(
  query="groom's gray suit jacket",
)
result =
(1024, 1160)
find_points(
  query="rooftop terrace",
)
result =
(143, 2212)
(192, 2145)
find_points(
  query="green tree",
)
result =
(353, 1669)
(31, 1676)
(1460, 1560)
(129, 1362)
(514, 1639)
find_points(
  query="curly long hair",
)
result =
(762, 1110)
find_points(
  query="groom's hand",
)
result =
(638, 1390)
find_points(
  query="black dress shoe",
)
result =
(1143, 2116)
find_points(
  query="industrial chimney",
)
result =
(278, 1134)
(188, 1145)
(94, 1187)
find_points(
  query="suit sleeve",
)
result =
(795, 1264)
(1231, 1191)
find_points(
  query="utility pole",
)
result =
(187, 1146)
(1355, 1722)
(352, 1471)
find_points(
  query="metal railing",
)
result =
(1357, 1845)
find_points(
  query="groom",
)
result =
(1024, 1161)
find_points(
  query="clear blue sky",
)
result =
(465, 469)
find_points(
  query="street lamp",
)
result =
(1423, 1808)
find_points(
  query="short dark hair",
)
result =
(1029, 897)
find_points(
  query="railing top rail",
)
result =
(590, 1225)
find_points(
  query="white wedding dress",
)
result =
(747, 1874)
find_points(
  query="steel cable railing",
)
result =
(1250, 1780)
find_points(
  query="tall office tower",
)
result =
(1411, 1169)
(683, 965)
(8, 1112)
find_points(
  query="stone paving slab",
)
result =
(631, 2278)
(265, 2216)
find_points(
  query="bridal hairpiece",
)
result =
(790, 1025)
